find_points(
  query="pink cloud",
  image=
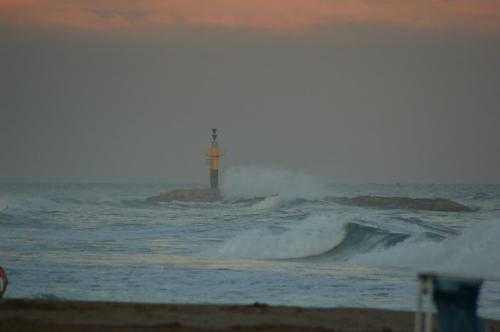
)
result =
(274, 15)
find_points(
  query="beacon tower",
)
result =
(213, 155)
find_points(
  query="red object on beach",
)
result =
(5, 281)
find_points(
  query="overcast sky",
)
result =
(351, 91)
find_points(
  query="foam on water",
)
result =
(475, 251)
(269, 204)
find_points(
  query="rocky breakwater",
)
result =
(208, 195)
(205, 195)
(430, 204)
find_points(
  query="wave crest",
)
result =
(308, 237)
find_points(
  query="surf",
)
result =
(326, 238)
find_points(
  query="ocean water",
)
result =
(105, 242)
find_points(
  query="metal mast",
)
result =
(213, 154)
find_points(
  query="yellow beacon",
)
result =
(213, 154)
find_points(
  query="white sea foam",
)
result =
(270, 203)
(308, 237)
(258, 181)
(474, 252)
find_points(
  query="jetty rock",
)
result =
(203, 195)
(430, 204)
(207, 195)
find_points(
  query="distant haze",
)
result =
(95, 92)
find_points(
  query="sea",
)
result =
(106, 242)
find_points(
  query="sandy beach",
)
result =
(41, 315)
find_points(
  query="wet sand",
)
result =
(56, 316)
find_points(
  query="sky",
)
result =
(378, 91)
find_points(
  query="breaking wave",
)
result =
(308, 237)
(361, 239)
(277, 202)
(263, 182)
(326, 238)
(319, 237)
(475, 251)
(270, 203)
